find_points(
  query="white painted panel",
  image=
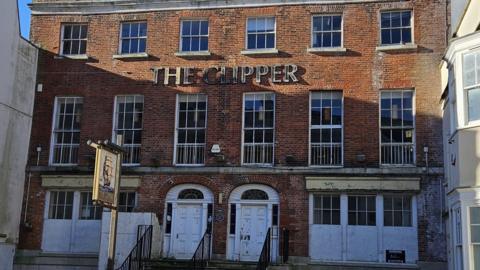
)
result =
(188, 230)
(326, 242)
(87, 236)
(401, 238)
(253, 230)
(56, 235)
(362, 243)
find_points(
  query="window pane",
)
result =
(203, 43)
(195, 44)
(251, 41)
(396, 36)
(386, 36)
(385, 20)
(317, 24)
(327, 39)
(270, 41)
(406, 15)
(204, 28)
(337, 22)
(134, 30)
(474, 104)
(406, 35)
(143, 29)
(195, 28)
(326, 23)
(475, 215)
(125, 30)
(186, 27)
(252, 25)
(261, 43)
(270, 24)
(336, 39)
(395, 19)
(142, 46)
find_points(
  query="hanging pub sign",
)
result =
(106, 177)
(286, 73)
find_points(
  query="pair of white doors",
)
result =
(188, 230)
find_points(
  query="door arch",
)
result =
(188, 214)
(253, 208)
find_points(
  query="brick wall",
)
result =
(360, 73)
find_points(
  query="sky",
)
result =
(24, 17)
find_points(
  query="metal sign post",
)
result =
(106, 186)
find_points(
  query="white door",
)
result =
(253, 229)
(188, 230)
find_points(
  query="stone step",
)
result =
(170, 264)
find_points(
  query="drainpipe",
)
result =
(39, 150)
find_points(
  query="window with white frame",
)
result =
(397, 210)
(129, 123)
(191, 129)
(74, 39)
(127, 201)
(60, 205)
(396, 27)
(326, 128)
(326, 31)
(362, 210)
(326, 209)
(66, 130)
(133, 37)
(87, 209)
(261, 33)
(471, 84)
(458, 239)
(258, 128)
(475, 235)
(194, 36)
(397, 128)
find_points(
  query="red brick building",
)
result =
(320, 117)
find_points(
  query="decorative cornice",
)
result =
(400, 171)
(70, 7)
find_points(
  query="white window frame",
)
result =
(326, 127)
(62, 38)
(177, 116)
(243, 130)
(91, 207)
(412, 27)
(312, 32)
(366, 212)
(52, 133)
(458, 238)
(191, 36)
(466, 89)
(128, 193)
(321, 196)
(404, 197)
(414, 135)
(473, 244)
(121, 39)
(114, 127)
(55, 205)
(274, 32)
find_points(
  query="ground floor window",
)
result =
(326, 209)
(397, 210)
(61, 205)
(361, 210)
(475, 235)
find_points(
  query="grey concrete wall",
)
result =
(17, 83)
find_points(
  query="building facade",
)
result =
(461, 125)
(318, 117)
(17, 89)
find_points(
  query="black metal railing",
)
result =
(202, 254)
(142, 250)
(286, 246)
(264, 260)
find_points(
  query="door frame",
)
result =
(233, 242)
(172, 198)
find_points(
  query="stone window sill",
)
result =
(73, 57)
(399, 47)
(259, 51)
(130, 55)
(193, 54)
(327, 50)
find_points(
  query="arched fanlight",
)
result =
(254, 194)
(190, 194)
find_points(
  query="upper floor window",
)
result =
(397, 128)
(66, 130)
(471, 84)
(60, 205)
(396, 27)
(326, 31)
(397, 210)
(326, 128)
(128, 121)
(194, 36)
(191, 129)
(261, 33)
(258, 128)
(133, 37)
(326, 209)
(74, 39)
